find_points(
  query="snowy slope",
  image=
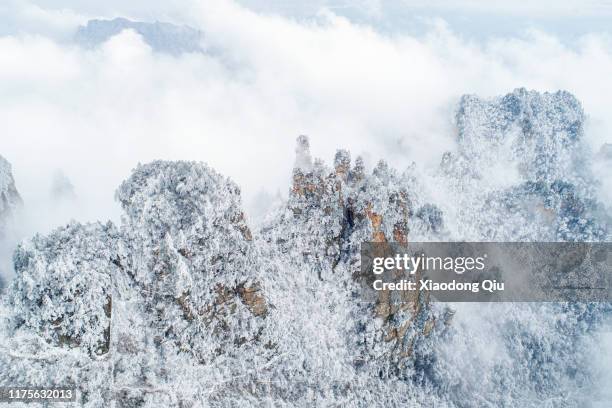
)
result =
(184, 305)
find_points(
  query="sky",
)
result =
(475, 18)
(380, 78)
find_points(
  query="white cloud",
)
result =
(21, 17)
(95, 114)
(546, 8)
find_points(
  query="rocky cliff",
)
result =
(160, 36)
(10, 200)
(185, 305)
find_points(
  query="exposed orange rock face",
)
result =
(400, 235)
(376, 220)
(345, 195)
(252, 296)
(253, 299)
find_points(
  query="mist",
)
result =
(76, 120)
(94, 114)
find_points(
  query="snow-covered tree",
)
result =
(184, 305)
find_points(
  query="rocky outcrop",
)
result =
(179, 278)
(193, 267)
(160, 36)
(10, 200)
(185, 305)
(540, 132)
(521, 169)
(329, 213)
(61, 187)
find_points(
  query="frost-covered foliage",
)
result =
(63, 286)
(130, 314)
(184, 305)
(58, 330)
(191, 281)
(520, 173)
(521, 170)
(541, 132)
(337, 338)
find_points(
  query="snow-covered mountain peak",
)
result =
(540, 133)
(160, 36)
(184, 304)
